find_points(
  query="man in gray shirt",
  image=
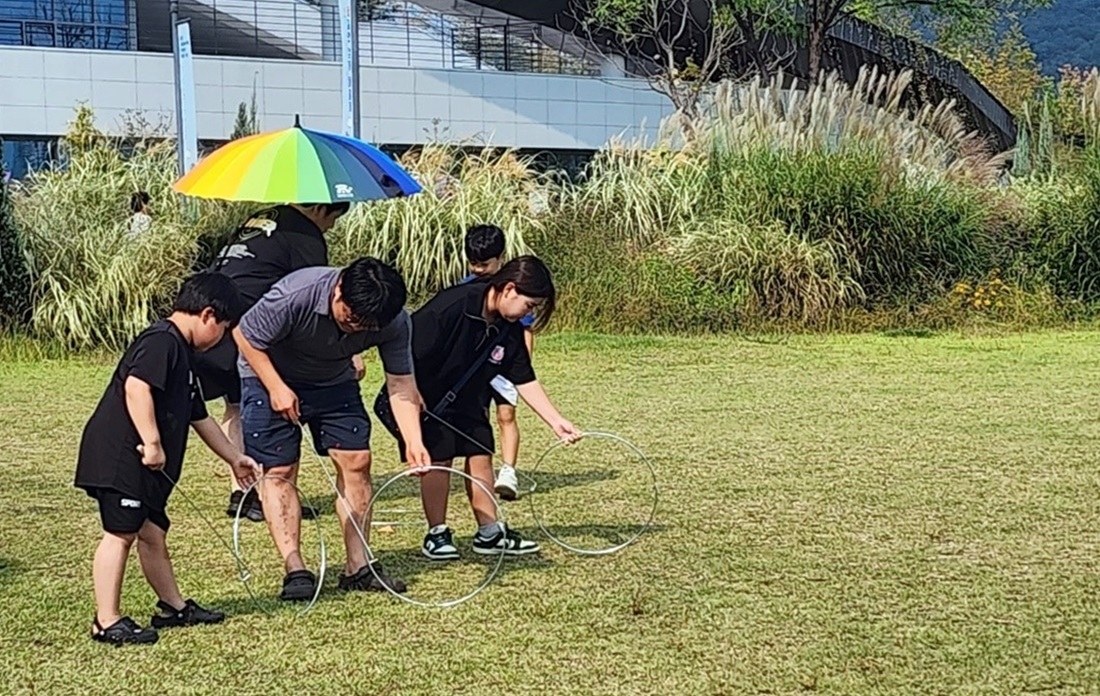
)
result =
(296, 347)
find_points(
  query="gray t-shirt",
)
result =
(293, 324)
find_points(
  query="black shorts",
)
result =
(216, 370)
(474, 434)
(123, 514)
(336, 417)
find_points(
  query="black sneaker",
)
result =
(191, 615)
(299, 586)
(309, 512)
(365, 581)
(124, 631)
(439, 545)
(509, 542)
(253, 509)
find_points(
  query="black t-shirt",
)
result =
(161, 357)
(268, 246)
(449, 334)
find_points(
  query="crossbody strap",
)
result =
(452, 394)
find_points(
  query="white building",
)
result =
(424, 75)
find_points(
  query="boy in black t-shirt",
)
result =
(132, 449)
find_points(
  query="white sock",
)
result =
(488, 531)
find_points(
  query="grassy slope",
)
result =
(840, 515)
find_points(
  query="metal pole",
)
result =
(356, 111)
(174, 11)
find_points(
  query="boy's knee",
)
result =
(506, 415)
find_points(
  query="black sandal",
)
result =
(123, 631)
(299, 586)
(364, 580)
(191, 615)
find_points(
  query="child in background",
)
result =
(485, 255)
(132, 449)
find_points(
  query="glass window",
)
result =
(24, 156)
(73, 10)
(11, 34)
(26, 9)
(100, 24)
(112, 38)
(38, 34)
(111, 12)
(74, 36)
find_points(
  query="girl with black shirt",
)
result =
(468, 324)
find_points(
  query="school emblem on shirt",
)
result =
(497, 355)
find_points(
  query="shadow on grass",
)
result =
(612, 534)
(406, 563)
(8, 569)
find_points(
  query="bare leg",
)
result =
(481, 468)
(435, 488)
(108, 569)
(157, 566)
(353, 483)
(509, 433)
(283, 514)
(231, 424)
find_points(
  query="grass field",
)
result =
(863, 515)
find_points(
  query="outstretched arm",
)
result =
(245, 469)
(406, 403)
(535, 396)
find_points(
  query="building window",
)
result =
(21, 157)
(100, 24)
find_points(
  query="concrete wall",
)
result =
(39, 89)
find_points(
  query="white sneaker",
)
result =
(438, 544)
(507, 485)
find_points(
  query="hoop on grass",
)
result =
(323, 557)
(406, 597)
(613, 450)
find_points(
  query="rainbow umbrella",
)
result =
(297, 165)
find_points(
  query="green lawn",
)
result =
(838, 515)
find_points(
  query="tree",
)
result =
(682, 46)
(955, 27)
(247, 122)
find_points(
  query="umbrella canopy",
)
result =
(297, 165)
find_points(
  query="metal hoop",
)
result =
(237, 545)
(612, 549)
(500, 520)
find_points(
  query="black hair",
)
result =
(484, 243)
(531, 278)
(329, 208)
(213, 290)
(373, 291)
(138, 200)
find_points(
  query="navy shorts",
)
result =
(123, 514)
(335, 415)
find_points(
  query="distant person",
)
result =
(131, 454)
(141, 218)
